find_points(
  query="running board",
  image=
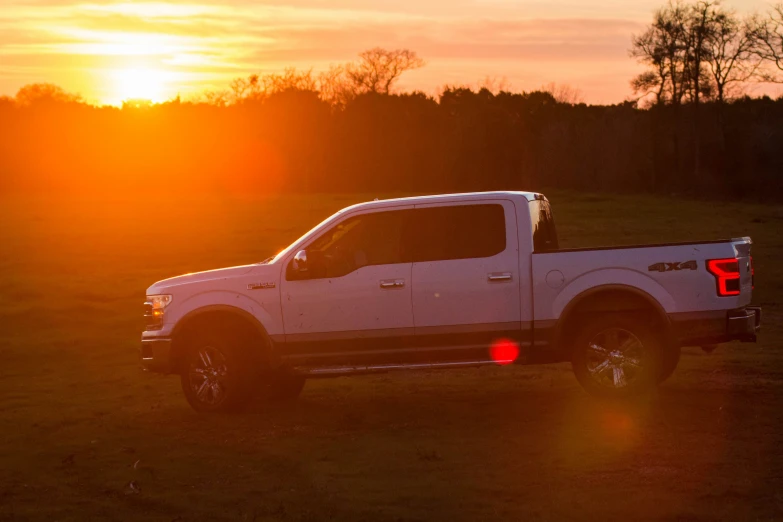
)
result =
(334, 371)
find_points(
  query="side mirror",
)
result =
(299, 263)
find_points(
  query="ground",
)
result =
(84, 434)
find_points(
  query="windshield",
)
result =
(282, 253)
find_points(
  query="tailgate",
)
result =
(745, 261)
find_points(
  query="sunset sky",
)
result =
(110, 51)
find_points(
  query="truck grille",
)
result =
(151, 321)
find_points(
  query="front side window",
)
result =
(359, 241)
(456, 232)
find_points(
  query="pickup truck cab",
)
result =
(445, 282)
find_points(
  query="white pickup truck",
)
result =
(445, 282)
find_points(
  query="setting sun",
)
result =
(139, 83)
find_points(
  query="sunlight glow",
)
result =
(145, 84)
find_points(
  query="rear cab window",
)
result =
(543, 226)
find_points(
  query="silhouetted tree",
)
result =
(45, 93)
(296, 132)
(731, 55)
(378, 69)
(769, 36)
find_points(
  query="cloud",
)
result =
(212, 42)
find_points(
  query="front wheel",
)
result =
(215, 375)
(616, 356)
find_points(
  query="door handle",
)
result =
(392, 283)
(495, 277)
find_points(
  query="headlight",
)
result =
(153, 310)
(159, 302)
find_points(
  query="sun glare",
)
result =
(144, 84)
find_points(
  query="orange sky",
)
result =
(109, 51)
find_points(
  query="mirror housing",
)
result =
(299, 263)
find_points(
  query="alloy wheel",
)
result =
(616, 358)
(207, 375)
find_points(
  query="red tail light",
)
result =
(727, 275)
(752, 274)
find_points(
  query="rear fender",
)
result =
(622, 281)
(613, 279)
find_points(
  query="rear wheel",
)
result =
(616, 356)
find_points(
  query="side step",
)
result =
(336, 371)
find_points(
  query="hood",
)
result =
(199, 277)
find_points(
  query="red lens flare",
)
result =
(504, 351)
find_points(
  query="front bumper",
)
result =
(155, 354)
(713, 327)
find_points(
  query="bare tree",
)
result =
(564, 93)
(731, 49)
(378, 69)
(219, 98)
(664, 47)
(699, 29)
(290, 79)
(494, 84)
(648, 48)
(335, 87)
(243, 89)
(37, 93)
(769, 38)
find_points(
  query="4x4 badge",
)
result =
(260, 286)
(669, 267)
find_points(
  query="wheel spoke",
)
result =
(598, 348)
(618, 376)
(204, 358)
(197, 377)
(217, 391)
(600, 368)
(632, 362)
(200, 392)
(629, 344)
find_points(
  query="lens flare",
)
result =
(504, 351)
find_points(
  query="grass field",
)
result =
(80, 422)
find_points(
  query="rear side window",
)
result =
(544, 233)
(456, 232)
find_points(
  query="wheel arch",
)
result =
(609, 298)
(220, 314)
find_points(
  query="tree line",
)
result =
(348, 129)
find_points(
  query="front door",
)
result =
(355, 295)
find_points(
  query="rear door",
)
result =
(466, 281)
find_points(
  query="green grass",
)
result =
(79, 421)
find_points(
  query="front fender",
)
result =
(260, 312)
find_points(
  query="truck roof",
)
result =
(444, 198)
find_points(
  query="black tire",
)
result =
(670, 358)
(216, 373)
(283, 386)
(616, 355)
